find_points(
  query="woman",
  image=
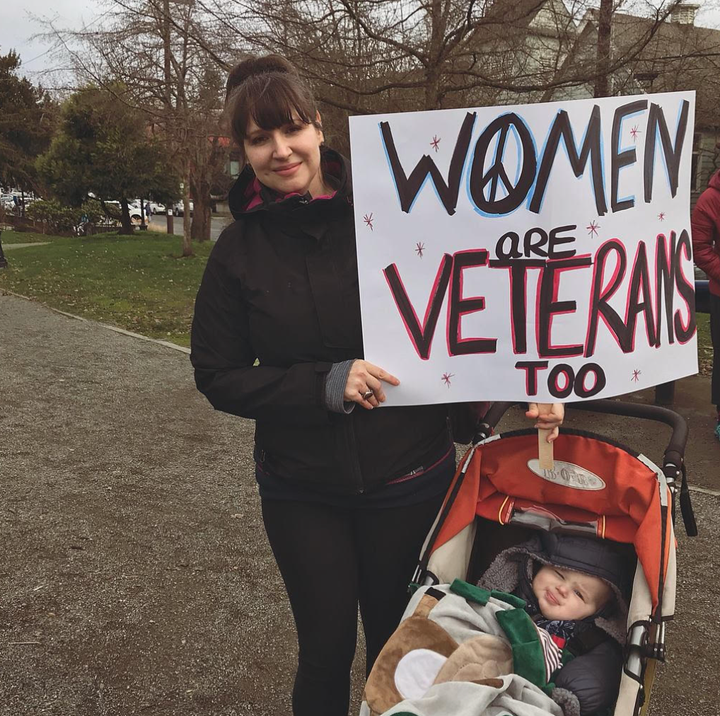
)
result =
(348, 492)
(705, 224)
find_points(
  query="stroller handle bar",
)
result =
(675, 451)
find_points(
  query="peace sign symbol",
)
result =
(496, 173)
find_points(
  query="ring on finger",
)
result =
(367, 394)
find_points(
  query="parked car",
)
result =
(179, 210)
(7, 201)
(135, 209)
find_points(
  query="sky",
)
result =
(22, 20)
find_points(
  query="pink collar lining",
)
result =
(256, 199)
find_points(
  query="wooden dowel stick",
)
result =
(545, 449)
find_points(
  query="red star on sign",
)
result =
(592, 228)
(420, 247)
(368, 219)
(435, 142)
(446, 378)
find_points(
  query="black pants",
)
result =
(331, 560)
(715, 336)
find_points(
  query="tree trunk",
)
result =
(602, 81)
(434, 67)
(202, 213)
(127, 227)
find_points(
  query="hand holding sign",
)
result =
(364, 384)
(549, 417)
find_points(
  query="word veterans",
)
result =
(663, 297)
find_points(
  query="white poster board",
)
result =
(536, 252)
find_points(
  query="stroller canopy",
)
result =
(596, 487)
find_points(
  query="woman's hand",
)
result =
(364, 384)
(547, 417)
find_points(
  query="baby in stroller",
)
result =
(551, 610)
(575, 590)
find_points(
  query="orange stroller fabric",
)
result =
(624, 505)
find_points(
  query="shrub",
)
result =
(54, 217)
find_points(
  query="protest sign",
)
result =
(534, 252)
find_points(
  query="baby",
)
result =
(566, 595)
(573, 588)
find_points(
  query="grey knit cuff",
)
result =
(335, 382)
(567, 701)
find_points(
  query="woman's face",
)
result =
(286, 159)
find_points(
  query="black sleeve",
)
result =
(593, 677)
(224, 360)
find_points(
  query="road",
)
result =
(218, 223)
(134, 571)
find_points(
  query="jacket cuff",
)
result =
(567, 701)
(335, 382)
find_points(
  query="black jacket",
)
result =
(281, 287)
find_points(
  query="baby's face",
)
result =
(565, 594)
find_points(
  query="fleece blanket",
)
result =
(464, 651)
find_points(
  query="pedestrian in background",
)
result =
(348, 491)
(706, 252)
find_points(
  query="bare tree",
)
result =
(399, 55)
(167, 61)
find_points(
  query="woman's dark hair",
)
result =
(269, 91)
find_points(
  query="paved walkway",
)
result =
(7, 247)
(134, 573)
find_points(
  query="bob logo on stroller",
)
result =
(568, 475)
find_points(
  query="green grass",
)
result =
(24, 237)
(139, 282)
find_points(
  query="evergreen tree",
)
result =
(105, 147)
(25, 125)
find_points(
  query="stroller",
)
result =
(597, 488)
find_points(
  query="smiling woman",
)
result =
(348, 491)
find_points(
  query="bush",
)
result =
(92, 211)
(58, 219)
(54, 217)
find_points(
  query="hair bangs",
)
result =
(279, 105)
(270, 99)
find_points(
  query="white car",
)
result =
(135, 209)
(7, 201)
(179, 209)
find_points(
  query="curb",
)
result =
(704, 490)
(167, 344)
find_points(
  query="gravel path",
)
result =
(134, 572)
